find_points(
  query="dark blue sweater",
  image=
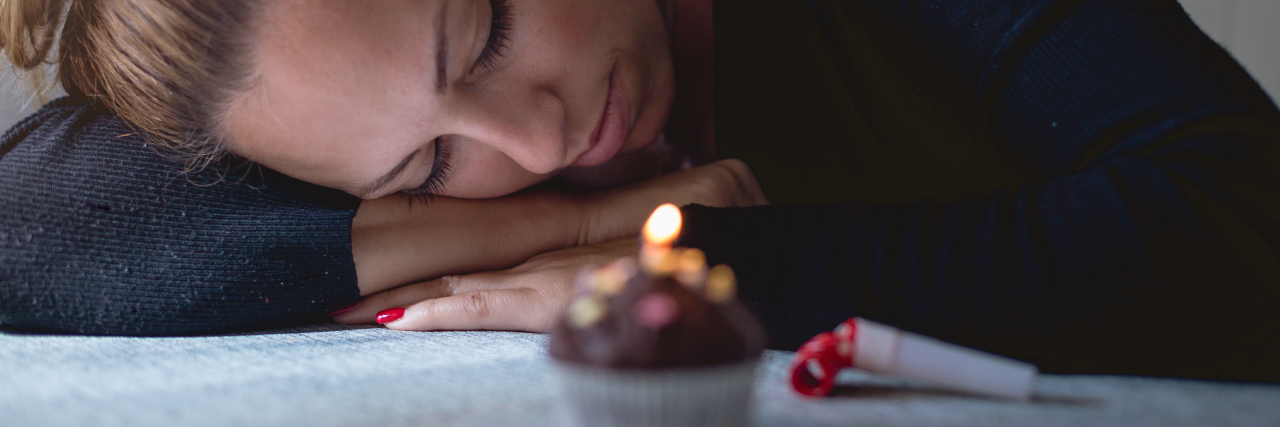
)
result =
(101, 234)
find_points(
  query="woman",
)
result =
(1083, 184)
(186, 76)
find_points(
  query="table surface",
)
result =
(331, 375)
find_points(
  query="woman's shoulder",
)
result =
(102, 232)
(62, 113)
(71, 143)
(75, 141)
(62, 123)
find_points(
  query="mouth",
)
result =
(614, 125)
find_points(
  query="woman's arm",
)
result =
(395, 242)
(1147, 245)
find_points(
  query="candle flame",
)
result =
(663, 225)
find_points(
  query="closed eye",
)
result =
(435, 181)
(499, 35)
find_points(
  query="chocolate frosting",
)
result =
(702, 333)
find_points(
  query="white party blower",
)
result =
(878, 348)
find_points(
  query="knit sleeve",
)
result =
(1146, 245)
(101, 234)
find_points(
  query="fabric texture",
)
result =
(101, 234)
(331, 375)
(1092, 186)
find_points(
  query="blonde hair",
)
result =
(170, 68)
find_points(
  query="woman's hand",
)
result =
(527, 297)
(621, 211)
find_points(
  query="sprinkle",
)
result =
(721, 285)
(586, 312)
(691, 268)
(606, 284)
(656, 310)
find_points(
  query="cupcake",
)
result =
(661, 342)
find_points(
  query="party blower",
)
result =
(874, 347)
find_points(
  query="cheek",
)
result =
(566, 29)
(488, 175)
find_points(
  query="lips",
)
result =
(614, 125)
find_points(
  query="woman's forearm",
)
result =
(394, 242)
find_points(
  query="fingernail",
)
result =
(389, 315)
(345, 309)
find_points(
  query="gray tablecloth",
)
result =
(331, 375)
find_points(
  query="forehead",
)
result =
(375, 26)
(341, 86)
(334, 43)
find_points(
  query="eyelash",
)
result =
(499, 34)
(439, 171)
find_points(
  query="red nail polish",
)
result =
(389, 315)
(345, 309)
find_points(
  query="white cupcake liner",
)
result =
(712, 396)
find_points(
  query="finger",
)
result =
(406, 295)
(495, 309)
(396, 297)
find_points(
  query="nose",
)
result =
(527, 127)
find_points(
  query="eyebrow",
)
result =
(442, 52)
(383, 180)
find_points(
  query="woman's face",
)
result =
(371, 97)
